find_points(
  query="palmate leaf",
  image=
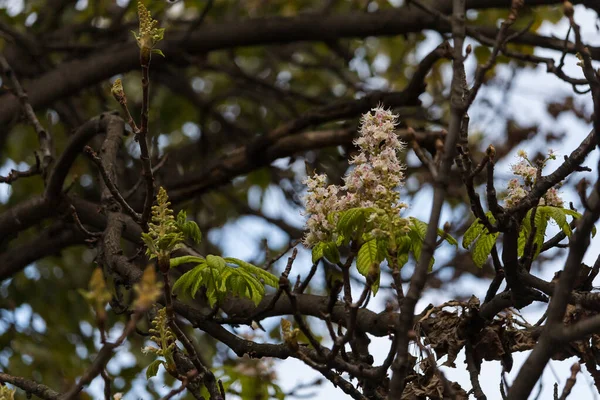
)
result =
(219, 278)
(447, 237)
(317, 252)
(367, 256)
(483, 247)
(542, 216)
(367, 260)
(421, 228)
(187, 283)
(152, 369)
(472, 233)
(328, 250)
(189, 228)
(350, 223)
(266, 276)
(177, 261)
(577, 215)
(558, 215)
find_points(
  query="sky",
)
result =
(527, 101)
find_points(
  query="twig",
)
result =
(198, 21)
(142, 138)
(111, 185)
(44, 136)
(570, 381)
(30, 387)
(13, 175)
(302, 287)
(91, 235)
(474, 371)
(107, 389)
(137, 184)
(184, 382)
(99, 363)
(458, 109)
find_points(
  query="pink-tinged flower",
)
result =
(515, 193)
(524, 169)
(518, 189)
(372, 181)
(552, 198)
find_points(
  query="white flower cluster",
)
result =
(371, 182)
(528, 172)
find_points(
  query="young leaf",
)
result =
(216, 262)
(152, 369)
(331, 252)
(186, 259)
(416, 242)
(472, 233)
(266, 276)
(190, 282)
(558, 215)
(521, 243)
(419, 227)
(483, 247)
(317, 252)
(192, 230)
(351, 220)
(447, 237)
(367, 256)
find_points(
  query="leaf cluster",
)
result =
(221, 276)
(480, 241)
(355, 227)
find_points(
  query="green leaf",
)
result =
(375, 285)
(317, 252)
(483, 247)
(351, 221)
(190, 282)
(255, 289)
(521, 243)
(472, 233)
(216, 262)
(176, 261)
(447, 237)
(159, 52)
(266, 276)
(490, 217)
(416, 242)
(367, 256)
(160, 34)
(558, 215)
(181, 218)
(152, 369)
(402, 259)
(541, 223)
(572, 213)
(331, 252)
(577, 215)
(190, 229)
(202, 272)
(419, 227)
(348, 220)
